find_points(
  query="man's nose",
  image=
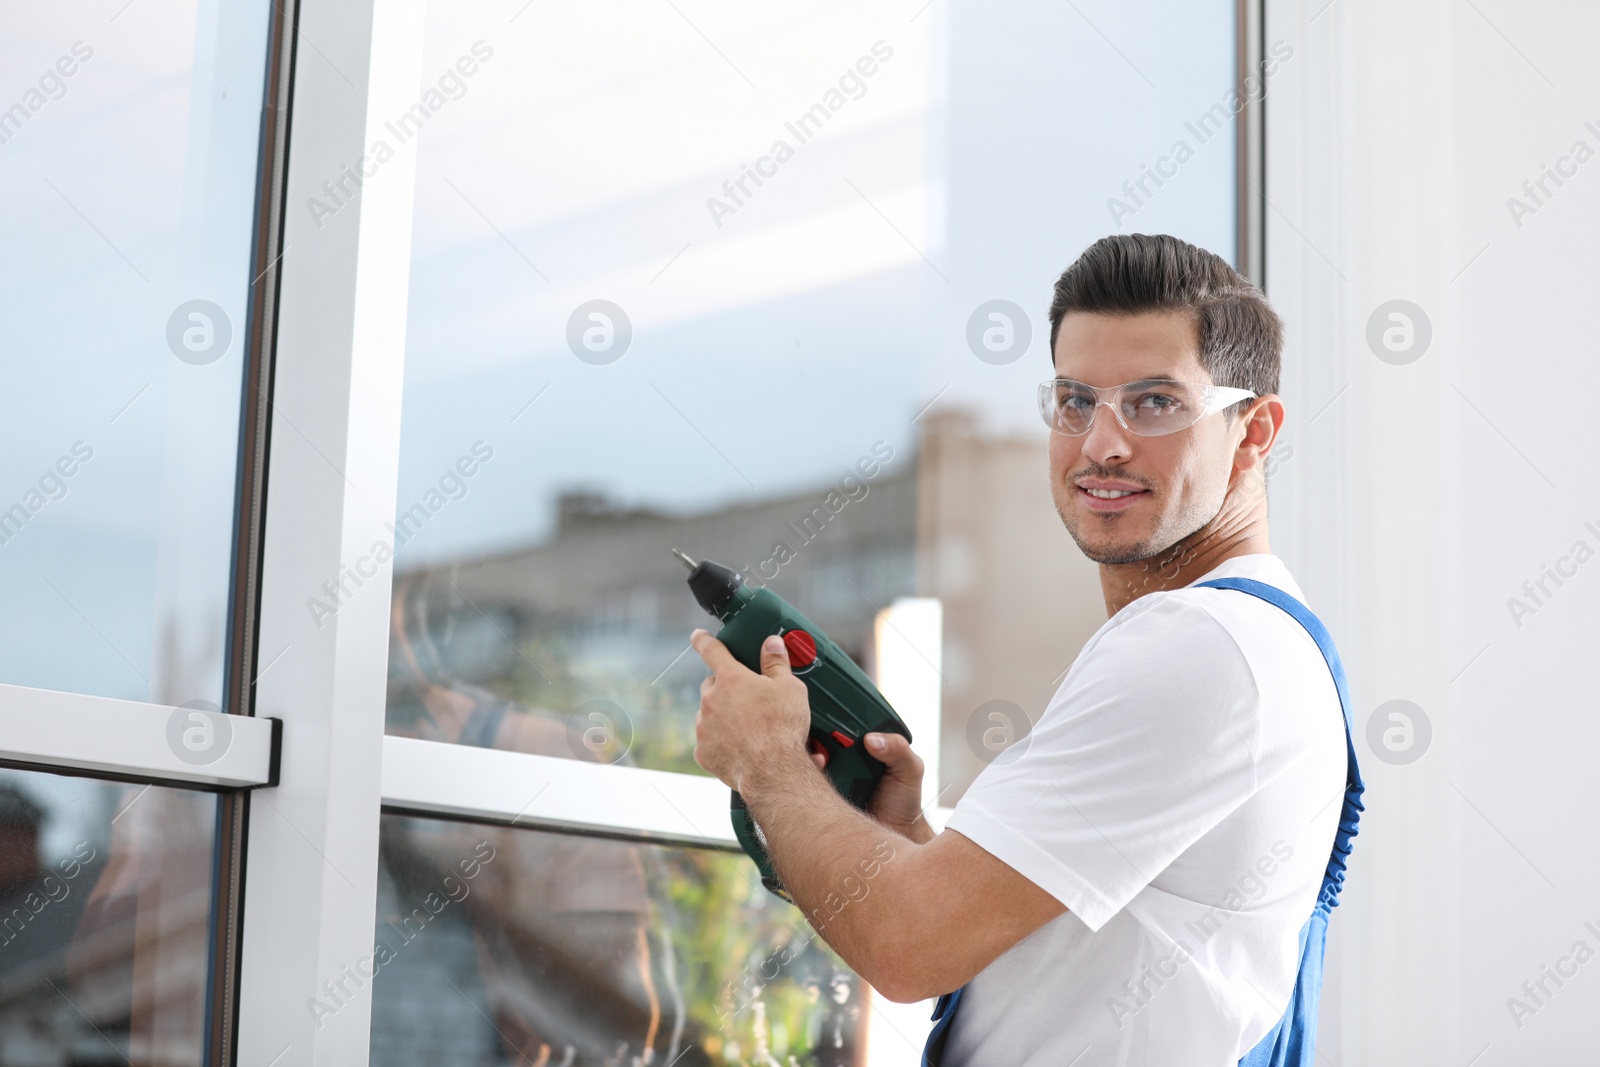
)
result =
(1107, 442)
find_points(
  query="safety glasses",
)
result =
(1151, 407)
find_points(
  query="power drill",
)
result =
(845, 705)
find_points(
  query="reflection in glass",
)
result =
(129, 140)
(105, 906)
(578, 648)
(498, 947)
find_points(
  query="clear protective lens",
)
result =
(1153, 408)
(1067, 406)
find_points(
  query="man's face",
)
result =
(1175, 483)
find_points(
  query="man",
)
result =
(1132, 888)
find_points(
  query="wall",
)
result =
(1425, 487)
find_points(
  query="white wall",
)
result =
(1419, 502)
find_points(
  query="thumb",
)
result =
(774, 657)
(895, 752)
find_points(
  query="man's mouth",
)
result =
(1105, 496)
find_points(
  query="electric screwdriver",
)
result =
(845, 705)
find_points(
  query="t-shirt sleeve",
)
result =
(1152, 739)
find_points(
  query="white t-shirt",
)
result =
(1179, 795)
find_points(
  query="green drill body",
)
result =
(845, 705)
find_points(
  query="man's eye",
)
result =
(1157, 403)
(1068, 401)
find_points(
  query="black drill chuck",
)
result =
(713, 585)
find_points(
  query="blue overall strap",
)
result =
(944, 1010)
(1293, 1041)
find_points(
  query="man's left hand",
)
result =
(749, 724)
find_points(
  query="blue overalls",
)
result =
(1293, 1041)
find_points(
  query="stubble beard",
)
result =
(1166, 544)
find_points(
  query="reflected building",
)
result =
(600, 608)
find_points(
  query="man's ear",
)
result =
(1260, 424)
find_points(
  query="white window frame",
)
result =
(129, 739)
(310, 885)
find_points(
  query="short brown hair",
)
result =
(1241, 337)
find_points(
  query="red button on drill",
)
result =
(844, 739)
(802, 648)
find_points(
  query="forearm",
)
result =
(848, 873)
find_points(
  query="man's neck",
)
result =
(1196, 555)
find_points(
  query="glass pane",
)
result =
(105, 921)
(128, 151)
(725, 279)
(498, 947)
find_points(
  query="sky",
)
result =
(129, 190)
